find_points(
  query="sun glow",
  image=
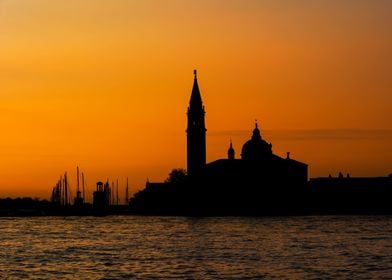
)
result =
(106, 85)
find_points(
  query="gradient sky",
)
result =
(105, 85)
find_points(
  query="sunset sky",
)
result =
(105, 85)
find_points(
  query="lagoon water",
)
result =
(134, 247)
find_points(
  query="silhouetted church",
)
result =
(257, 183)
(257, 167)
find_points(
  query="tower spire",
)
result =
(195, 102)
(196, 131)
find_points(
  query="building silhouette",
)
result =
(256, 183)
(258, 166)
(228, 185)
(101, 197)
(196, 132)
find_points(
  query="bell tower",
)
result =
(196, 131)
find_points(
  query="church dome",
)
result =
(256, 148)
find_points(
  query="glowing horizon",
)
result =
(106, 86)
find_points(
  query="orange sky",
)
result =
(105, 85)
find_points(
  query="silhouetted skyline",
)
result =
(258, 182)
(102, 85)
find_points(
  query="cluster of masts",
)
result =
(61, 191)
(62, 194)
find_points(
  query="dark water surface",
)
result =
(126, 247)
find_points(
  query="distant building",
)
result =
(101, 197)
(256, 183)
(258, 166)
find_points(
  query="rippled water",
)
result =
(126, 247)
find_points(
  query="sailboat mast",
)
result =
(61, 191)
(66, 188)
(83, 187)
(112, 192)
(77, 180)
(126, 193)
(117, 192)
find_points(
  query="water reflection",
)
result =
(201, 248)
